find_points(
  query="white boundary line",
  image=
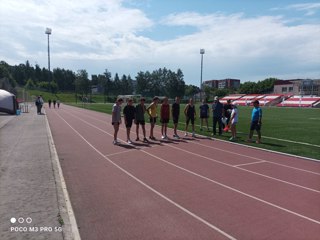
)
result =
(54, 156)
(149, 187)
(190, 172)
(245, 164)
(256, 158)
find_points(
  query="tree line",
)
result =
(160, 82)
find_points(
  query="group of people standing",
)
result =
(226, 116)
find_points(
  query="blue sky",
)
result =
(249, 40)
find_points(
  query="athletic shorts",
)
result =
(175, 119)
(164, 120)
(141, 122)
(204, 116)
(188, 119)
(255, 126)
(129, 123)
(153, 120)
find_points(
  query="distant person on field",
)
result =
(164, 117)
(256, 121)
(234, 118)
(116, 119)
(49, 102)
(152, 111)
(139, 119)
(54, 103)
(204, 114)
(217, 109)
(58, 103)
(190, 113)
(129, 114)
(175, 112)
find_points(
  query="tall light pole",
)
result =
(48, 32)
(201, 52)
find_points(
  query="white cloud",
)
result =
(95, 34)
(309, 8)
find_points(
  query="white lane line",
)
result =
(251, 163)
(255, 158)
(212, 159)
(221, 184)
(247, 156)
(149, 187)
(119, 153)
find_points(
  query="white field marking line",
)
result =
(246, 170)
(279, 139)
(149, 187)
(214, 160)
(119, 153)
(261, 149)
(259, 159)
(245, 164)
(223, 185)
(236, 190)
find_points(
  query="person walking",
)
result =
(204, 114)
(164, 117)
(152, 111)
(116, 119)
(175, 112)
(139, 119)
(38, 105)
(217, 109)
(58, 103)
(256, 122)
(190, 113)
(54, 103)
(49, 102)
(129, 115)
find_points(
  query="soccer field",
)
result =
(289, 130)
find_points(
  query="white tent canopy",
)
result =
(7, 102)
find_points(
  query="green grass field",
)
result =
(289, 130)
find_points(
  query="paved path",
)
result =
(31, 196)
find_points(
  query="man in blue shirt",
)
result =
(256, 121)
(217, 109)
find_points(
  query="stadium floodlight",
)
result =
(48, 32)
(202, 51)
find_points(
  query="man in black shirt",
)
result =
(129, 113)
(175, 111)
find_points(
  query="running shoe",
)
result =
(129, 141)
(137, 139)
(145, 140)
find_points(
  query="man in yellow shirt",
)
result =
(152, 111)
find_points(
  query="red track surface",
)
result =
(187, 189)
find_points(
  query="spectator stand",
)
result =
(300, 101)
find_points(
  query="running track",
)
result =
(181, 189)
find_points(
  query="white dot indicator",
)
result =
(29, 220)
(20, 220)
(13, 220)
